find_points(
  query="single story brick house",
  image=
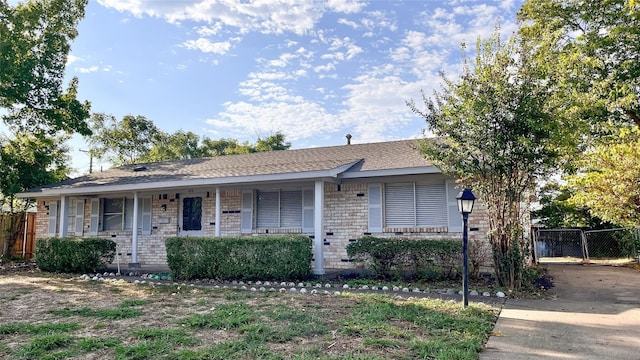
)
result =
(334, 194)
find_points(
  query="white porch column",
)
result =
(318, 240)
(218, 212)
(63, 216)
(134, 236)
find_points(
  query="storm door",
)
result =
(191, 215)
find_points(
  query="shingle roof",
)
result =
(345, 159)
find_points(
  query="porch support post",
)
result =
(318, 217)
(218, 212)
(134, 237)
(63, 216)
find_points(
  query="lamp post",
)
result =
(465, 206)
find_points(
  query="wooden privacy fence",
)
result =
(17, 234)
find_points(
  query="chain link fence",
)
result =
(609, 245)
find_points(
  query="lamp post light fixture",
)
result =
(465, 207)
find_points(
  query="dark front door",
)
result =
(191, 219)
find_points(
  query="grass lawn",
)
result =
(45, 316)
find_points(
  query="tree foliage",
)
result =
(122, 141)
(27, 161)
(590, 50)
(34, 44)
(495, 133)
(558, 211)
(610, 182)
(136, 139)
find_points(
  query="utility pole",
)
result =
(90, 159)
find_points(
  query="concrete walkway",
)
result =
(594, 314)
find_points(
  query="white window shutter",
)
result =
(79, 225)
(455, 219)
(53, 219)
(95, 217)
(246, 212)
(308, 211)
(145, 211)
(375, 208)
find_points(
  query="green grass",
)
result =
(41, 347)
(38, 329)
(224, 316)
(88, 345)
(107, 314)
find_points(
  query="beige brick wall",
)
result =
(345, 220)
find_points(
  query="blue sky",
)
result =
(315, 70)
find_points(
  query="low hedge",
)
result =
(408, 258)
(261, 258)
(74, 255)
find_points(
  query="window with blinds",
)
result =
(415, 204)
(279, 209)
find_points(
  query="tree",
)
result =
(177, 146)
(27, 161)
(609, 184)
(591, 51)
(224, 147)
(34, 45)
(557, 211)
(495, 133)
(272, 143)
(127, 141)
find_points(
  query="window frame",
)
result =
(126, 217)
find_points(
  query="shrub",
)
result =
(397, 258)
(263, 258)
(74, 254)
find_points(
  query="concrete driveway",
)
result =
(594, 314)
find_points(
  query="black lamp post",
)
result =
(465, 206)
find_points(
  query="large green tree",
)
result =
(177, 146)
(496, 134)
(35, 39)
(590, 51)
(609, 183)
(125, 141)
(27, 161)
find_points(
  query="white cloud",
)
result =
(267, 17)
(72, 58)
(207, 46)
(325, 68)
(349, 23)
(296, 119)
(377, 105)
(88, 70)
